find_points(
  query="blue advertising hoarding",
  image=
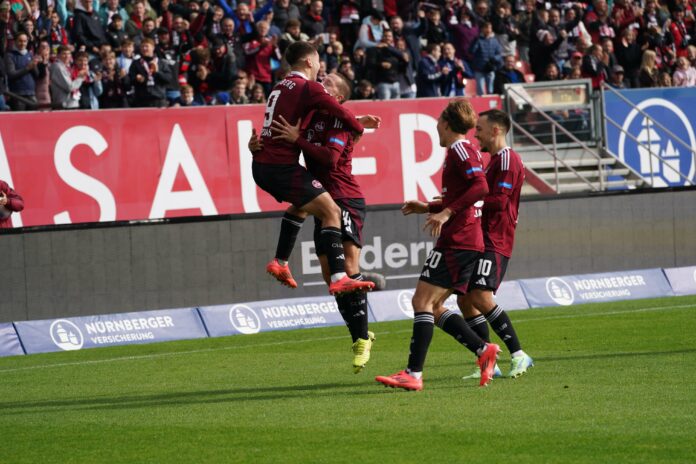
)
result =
(263, 316)
(682, 280)
(675, 110)
(9, 341)
(76, 333)
(395, 305)
(595, 288)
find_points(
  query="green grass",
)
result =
(613, 383)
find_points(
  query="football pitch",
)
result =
(613, 383)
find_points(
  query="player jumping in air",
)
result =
(328, 147)
(276, 167)
(450, 264)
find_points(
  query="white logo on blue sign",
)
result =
(651, 138)
(405, 305)
(560, 291)
(66, 335)
(244, 319)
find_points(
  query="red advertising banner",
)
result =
(108, 165)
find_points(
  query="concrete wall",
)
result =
(124, 268)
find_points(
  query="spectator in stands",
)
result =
(625, 14)
(345, 69)
(57, 34)
(238, 94)
(259, 51)
(434, 30)
(429, 76)
(111, 9)
(598, 22)
(87, 30)
(545, 40)
(508, 74)
(91, 87)
(593, 66)
(678, 29)
(385, 62)
(463, 35)
(574, 73)
(7, 28)
(487, 57)
(575, 61)
(505, 27)
(115, 35)
(616, 77)
(628, 55)
(10, 202)
(22, 69)
(312, 21)
(3, 85)
(685, 74)
(609, 58)
(243, 18)
(481, 12)
(371, 30)
(524, 27)
(43, 81)
(223, 66)
(364, 90)
(292, 34)
(453, 83)
(150, 77)
(407, 71)
(283, 11)
(187, 97)
(257, 94)
(65, 86)
(648, 74)
(552, 73)
(409, 33)
(359, 63)
(135, 23)
(114, 84)
(664, 79)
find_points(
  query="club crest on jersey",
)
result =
(316, 184)
(319, 126)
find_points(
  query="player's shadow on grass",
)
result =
(261, 393)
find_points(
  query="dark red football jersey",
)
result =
(505, 176)
(463, 163)
(328, 153)
(294, 98)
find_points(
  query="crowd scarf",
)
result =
(138, 22)
(58, 35)
(145, 62)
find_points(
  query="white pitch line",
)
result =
(308, 340)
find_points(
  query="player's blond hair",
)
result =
(460, 115)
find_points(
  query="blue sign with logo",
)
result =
(595, 288)
(682, 280)
(263, 316)
(9, 341)
(673, 109)
(395, 305)
(76, 333)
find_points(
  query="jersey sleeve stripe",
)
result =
(461, 152)
(337, 141)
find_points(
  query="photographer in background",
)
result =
(10, 202)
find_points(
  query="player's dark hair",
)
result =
(460, 115)
(498, 117)
(298, 51)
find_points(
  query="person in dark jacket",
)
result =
(150, 77)
(87, 29)
(385, 62)
(508, 74)
(429, 77)
(22, 71)
(487, 57)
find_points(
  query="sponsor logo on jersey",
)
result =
(560, 291)
(316, 184)
(481, 281)
(66, 335)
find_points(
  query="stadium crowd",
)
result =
(89, 54)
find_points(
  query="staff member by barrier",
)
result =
(10, 201)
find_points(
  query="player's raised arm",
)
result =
(319, 98)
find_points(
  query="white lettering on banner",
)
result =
(373, 256)
(125, 325)
(179, 155)
(83, 135)
(250, 202)
(6, 175)
(302, 309)
(609, 282)
(122, 338)
(418, 174)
